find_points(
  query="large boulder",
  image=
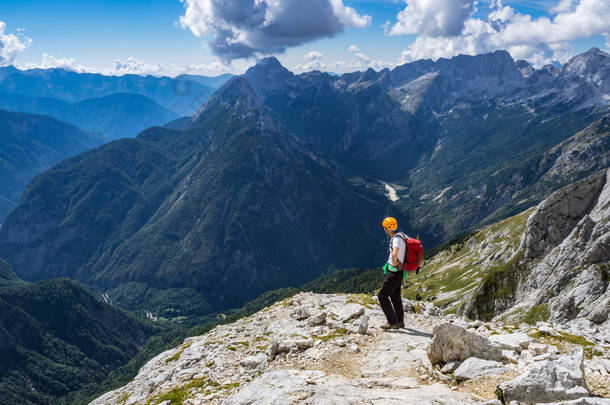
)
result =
(558, 380)
(452, 342)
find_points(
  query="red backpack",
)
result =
(413, 254)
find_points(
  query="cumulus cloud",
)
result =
(433, 18)
(313, 55)
(134, 66)
(314, 62)
(51, 61)
(11, 45)
(214, 68)
(361, 61)
(539, 40)
(246, 28)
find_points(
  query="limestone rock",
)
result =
(600, 314)
(452, 342)
(349, 311)
(450, 367)
(582, 401)
(363, 325)
(510, 356)
(514, 341)
(558, 380)
(473, 367)
(317, 319)
(282, 387)
(253, 362)
(300, 313)
(537, 348)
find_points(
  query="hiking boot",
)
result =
(390, 326)
(401, 324)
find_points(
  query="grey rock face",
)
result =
(557, 216)
(452, 342)
(570, 235)
(558, 380)
(473, 367)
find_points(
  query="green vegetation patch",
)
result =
(178, 395)
(177, 355)
(336, 334)
(368, 301)
(566, 341)
(497, 289)
(538, 313)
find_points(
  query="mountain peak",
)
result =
(269, 65)
(592, 61)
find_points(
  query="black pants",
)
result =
(390, 290)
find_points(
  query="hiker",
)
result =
(389, 294)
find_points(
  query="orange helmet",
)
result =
(390, 224)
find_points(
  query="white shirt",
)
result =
(397, 242)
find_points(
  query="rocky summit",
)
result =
(329, 349)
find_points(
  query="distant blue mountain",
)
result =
(214, 81)
(182, 95)
(119, 115)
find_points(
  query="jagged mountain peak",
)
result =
(587, 63)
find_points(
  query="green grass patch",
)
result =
(178, 395)
(336, 334)
(177, 355)
(368, 301)
(538, 313)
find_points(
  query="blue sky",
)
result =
(147, 35)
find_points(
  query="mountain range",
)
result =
(279, 178)
(29, 144)
(115, 106)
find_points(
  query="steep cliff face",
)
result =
(567, 247)
(548, 263)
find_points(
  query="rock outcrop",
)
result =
(452, 342)
(562, 379)
(273, 358)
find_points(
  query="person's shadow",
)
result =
(412, 332)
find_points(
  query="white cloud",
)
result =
(51, 61)
(539, 40)
(245, 28)
(433, 18)
(314, 62)
(313, 55)
(133, 66)
(11, 45)
(361, 61)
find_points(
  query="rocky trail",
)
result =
(329, 349)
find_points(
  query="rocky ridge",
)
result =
(549, 263)
(321, 349)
